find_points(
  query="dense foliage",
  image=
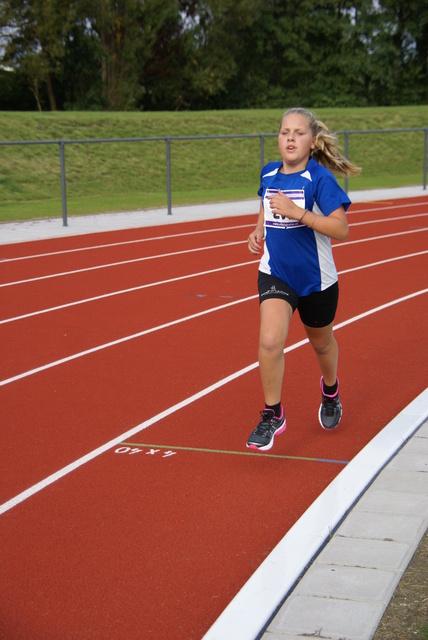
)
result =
(211, 54)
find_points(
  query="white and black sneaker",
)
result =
(269, 426)
(330, 411)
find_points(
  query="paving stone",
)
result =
(417, 461)
(348, 583)
(416, 445)
(379, 526)
(328, 618)
(372, 554)
(381, 501)
(402, 481)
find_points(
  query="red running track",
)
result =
(130, 506)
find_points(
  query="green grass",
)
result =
(127, 176)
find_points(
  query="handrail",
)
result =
(168, 139)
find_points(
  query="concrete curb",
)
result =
(261, 598)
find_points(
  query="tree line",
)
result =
(211, 54)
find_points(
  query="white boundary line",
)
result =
(397, 218)
(180, 405)
(384, 237)
(114, 343)
(187, 277)
(248, 613)
(194, 233)
(109, 265)
(130, 290)
(125, 436)
(169, 236)
(140, 334)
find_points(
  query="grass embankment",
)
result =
(125, 176)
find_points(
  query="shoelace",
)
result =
(329, 406)
(266, 423)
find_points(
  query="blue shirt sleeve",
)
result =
(329, 195)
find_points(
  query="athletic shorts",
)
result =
(316, 310)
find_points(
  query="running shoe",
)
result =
(269, 426)
(330, 411)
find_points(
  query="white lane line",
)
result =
(406, 205)
(125, 242)
(395, 219)
(381, 262)
(114, 343)
(386, 236)
(130, 290)
(180, 405)
(203, 231)
(140, 334)
(179, 278)
(184, 252)
(122, 262)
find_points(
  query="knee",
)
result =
(320, 348)
(271, 343)
(324, 347)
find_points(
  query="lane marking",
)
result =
(204, 231)
(39, 486)
(185, 277)
(126, 242)
(381, 262)
(121, 263)
(406, 205)
(184, 252)
(166, 325)
(232, 453)
(130, 290)
(397, 218)
(114, 343)
(389, 235)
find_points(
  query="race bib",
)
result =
(275, 219)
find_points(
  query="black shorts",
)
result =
(316, 310)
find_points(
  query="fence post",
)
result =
(63, 190)
(425, 159)
(262, 151)
(168, 174)
(347, 157)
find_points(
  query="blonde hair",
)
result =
(327, 150)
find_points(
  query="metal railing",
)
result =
(168, 139)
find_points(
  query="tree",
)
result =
(394, 37)
(200, 54)
(33, 32)
(80, 82)
(406, 23)
(301, 53)
(126, 31)
(196, 53)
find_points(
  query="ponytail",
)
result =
(327, 150)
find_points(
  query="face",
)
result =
(295, 142)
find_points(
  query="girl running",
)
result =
(302, 208)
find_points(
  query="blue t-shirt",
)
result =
(294, 253)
